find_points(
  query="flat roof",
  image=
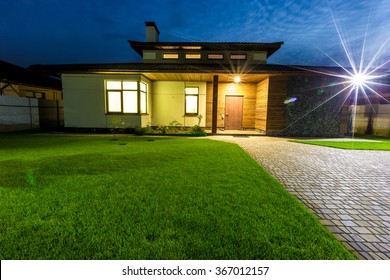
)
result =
(10, 73)
(270, 48)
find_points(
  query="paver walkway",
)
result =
(348, 190)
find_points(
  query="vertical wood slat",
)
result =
(261, 105)
(247, 90)
(215, 105)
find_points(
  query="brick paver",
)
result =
(348, 190)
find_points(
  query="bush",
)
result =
(196, 129)
(139, 130)
(163, 129)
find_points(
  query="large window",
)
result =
(192, 99)
(124, 96)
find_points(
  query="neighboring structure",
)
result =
(229, 84)
(21, 82)
(28, 99)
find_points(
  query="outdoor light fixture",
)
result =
(237, 79)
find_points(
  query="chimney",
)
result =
(152, 32)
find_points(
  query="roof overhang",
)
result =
(190, 72)
(270, 48)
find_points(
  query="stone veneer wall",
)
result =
(316, 111)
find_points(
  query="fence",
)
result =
(20, 113)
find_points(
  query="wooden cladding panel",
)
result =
(276, 109)
(248, 91)
(261, 105)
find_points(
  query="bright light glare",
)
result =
(237, 79)
(359, 79)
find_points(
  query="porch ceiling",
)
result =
(205, 77)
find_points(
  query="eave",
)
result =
(270, 48)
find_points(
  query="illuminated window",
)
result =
(32, 94)
(123, 97)
(238, 56)
(191, 100)
(170, 56)
(114, 101)
(130, 101)
(143, 97)
(193, 56)
(215, 56)
(192, 47)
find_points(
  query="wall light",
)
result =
(237, 79)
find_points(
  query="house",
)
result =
(21, 82)
(28, 99)
(229, 84)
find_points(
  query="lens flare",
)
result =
(290, 100)
(361, 78)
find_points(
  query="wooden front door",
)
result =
(233, 112)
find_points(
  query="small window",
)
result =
(215, 56)
(149, 55)
(143, 97)
(191, 100)
(40, 95)
(191, 47)
(238, 56)
(260, 56)
(193, 56)
(143, 87)
(114, 85)
(170, 56)
(130, 85)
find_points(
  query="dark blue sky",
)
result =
(96, 31)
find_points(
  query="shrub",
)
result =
(139, 130)
(196, 129)
(163, 129)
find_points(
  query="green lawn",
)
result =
(90, 197)
(381, 145)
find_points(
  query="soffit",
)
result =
(201, 77)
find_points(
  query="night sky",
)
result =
(86, 31)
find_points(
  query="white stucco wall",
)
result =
(85, 104)
(169, 101)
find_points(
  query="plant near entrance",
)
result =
(88, 197)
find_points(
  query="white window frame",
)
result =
(126, 91)
(191, 95)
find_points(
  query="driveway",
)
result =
(348, 190)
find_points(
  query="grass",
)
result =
(381, 145)
(82, 197)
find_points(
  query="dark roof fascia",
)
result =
(270, 48)
(183, 68)
(14, 74)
